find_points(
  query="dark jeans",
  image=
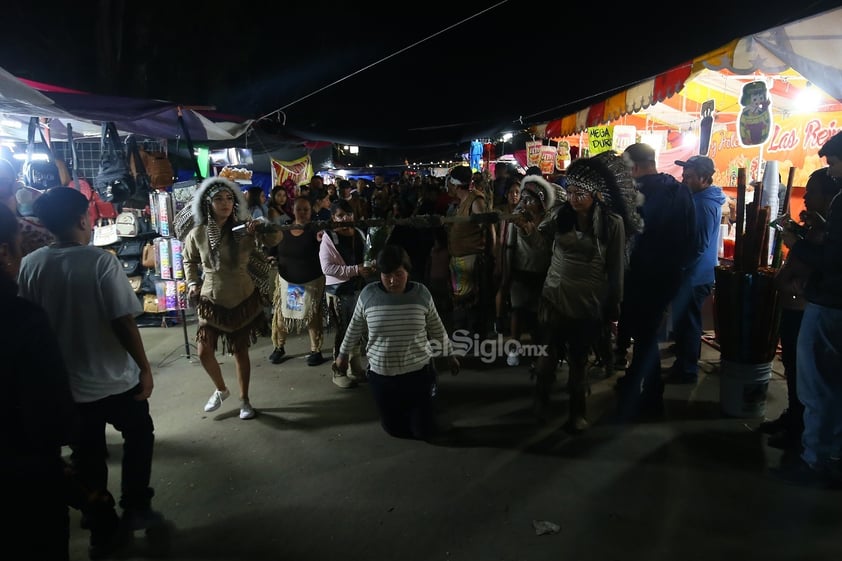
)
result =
(643, 311)
(131, 418)
(687, 327)
(790, 325)
(405, 402)
(340, 309)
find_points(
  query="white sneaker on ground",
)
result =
(216, 399)
(246, 411)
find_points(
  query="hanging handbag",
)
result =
(114, 181)
(142, 180)
(105, 232)
(147, 258)
(39, 174)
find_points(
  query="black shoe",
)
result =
(776, 425)
(277, 355)
(315, 358)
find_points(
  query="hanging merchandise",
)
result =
(533, 153)
(114, 181)
(562, 156)
(476, 155)
(40, 174)
(547, 164)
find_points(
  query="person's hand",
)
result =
(193, 294)
(146, 385)
(788, 237)
(341, 363)
(365, 271)
(454, 365)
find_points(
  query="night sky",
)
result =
(535, 60)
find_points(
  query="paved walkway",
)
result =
(313, 476)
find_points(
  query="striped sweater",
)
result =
(404, 330)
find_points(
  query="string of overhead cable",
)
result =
(396, 53)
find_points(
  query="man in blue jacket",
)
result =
(698, 281)
(819, 351)
(656, 264)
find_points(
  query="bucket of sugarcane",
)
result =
(748, 314)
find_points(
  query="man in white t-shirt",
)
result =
(92, 307)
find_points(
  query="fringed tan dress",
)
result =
(229, 303)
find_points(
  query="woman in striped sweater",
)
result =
(404, 333)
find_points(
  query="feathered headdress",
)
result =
(548, 193)
(204, 195)
(202, 210)
(606, 175)
(622, 195)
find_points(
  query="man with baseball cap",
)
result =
(698, 281)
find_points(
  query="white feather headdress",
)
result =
(208, 188)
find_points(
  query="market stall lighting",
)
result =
(35, 156)
(506, 137)
(689, 139)
(808, 99)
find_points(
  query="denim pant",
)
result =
(131, 418)
(820, 383)
(687, 327)
(643, 312)
(341, 308)
(405, 402)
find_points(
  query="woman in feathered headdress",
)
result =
(584, 282)
(216, 259)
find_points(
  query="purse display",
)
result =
(105, 232)
(114, 181)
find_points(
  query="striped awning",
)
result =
(810, 46)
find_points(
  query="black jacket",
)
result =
(824, 286)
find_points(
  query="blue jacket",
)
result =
(666, 245)
(708, 217)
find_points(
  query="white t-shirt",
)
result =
(82, 289)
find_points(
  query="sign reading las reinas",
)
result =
(469, 344)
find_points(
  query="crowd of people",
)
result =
(588, 264)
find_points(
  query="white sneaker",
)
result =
(246, 411)
(216, 399)
(513, 359)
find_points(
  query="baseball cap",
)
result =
(701, 164)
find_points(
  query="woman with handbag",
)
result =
(228, 303)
